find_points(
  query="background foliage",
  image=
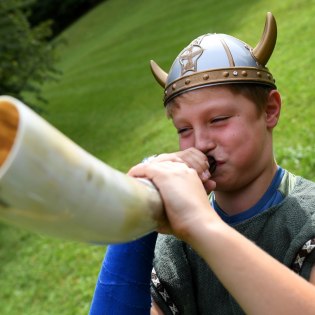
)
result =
(27, 53)
(107, 101)
(62, 12)
(26, 57)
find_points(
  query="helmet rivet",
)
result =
(187, 81)
(235, 73)
(174, 86)
(206, 76)
(258, 74)
(269, 76)
(244, 73)
(225, 74)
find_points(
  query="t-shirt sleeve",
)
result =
(305, 259)
(171, 282)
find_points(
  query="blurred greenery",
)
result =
(108, 103)
(26, 56)
(62, 12)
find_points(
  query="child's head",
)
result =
(223, 101)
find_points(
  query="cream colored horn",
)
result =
(50, 185)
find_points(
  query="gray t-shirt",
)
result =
(182, 283)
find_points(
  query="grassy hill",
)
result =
(107, 101)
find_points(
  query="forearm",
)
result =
(259, 283)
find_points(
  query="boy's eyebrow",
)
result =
(179, 121)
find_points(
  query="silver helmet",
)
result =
(213, 59)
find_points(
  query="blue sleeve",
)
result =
(123, 285)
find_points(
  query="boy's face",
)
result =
(228, 127)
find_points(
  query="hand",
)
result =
(185, 200)
(194, 159)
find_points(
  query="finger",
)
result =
(173, 157)
(195, 159)
(209, 185)
(138, 170)
(149, 170)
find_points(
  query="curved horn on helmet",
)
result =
(159, 74)
(264, 48)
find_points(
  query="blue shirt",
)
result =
(271, 197)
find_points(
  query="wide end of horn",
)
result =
(9, 120)
(266, 45)
(159, 74)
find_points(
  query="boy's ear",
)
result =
(273, 108)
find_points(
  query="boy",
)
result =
(234, 254)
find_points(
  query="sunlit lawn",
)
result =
(107, 101)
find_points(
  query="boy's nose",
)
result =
(204, 141)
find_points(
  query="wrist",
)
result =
(203, 225)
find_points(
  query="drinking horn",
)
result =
(50, 185)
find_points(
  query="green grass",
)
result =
(45, 276)
(107, 101)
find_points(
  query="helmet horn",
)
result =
(159, 74)
(264, 48)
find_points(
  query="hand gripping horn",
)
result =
(214, 59)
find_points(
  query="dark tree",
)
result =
(26, 55)
(62, 12)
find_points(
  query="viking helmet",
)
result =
(213, 59)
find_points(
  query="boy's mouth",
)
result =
(212, 164)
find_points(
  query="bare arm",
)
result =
(259, 283)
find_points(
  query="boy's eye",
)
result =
(182, 130)
(219, 118)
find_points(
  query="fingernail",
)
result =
(205, 175)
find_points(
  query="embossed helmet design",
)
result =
(213, 59)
